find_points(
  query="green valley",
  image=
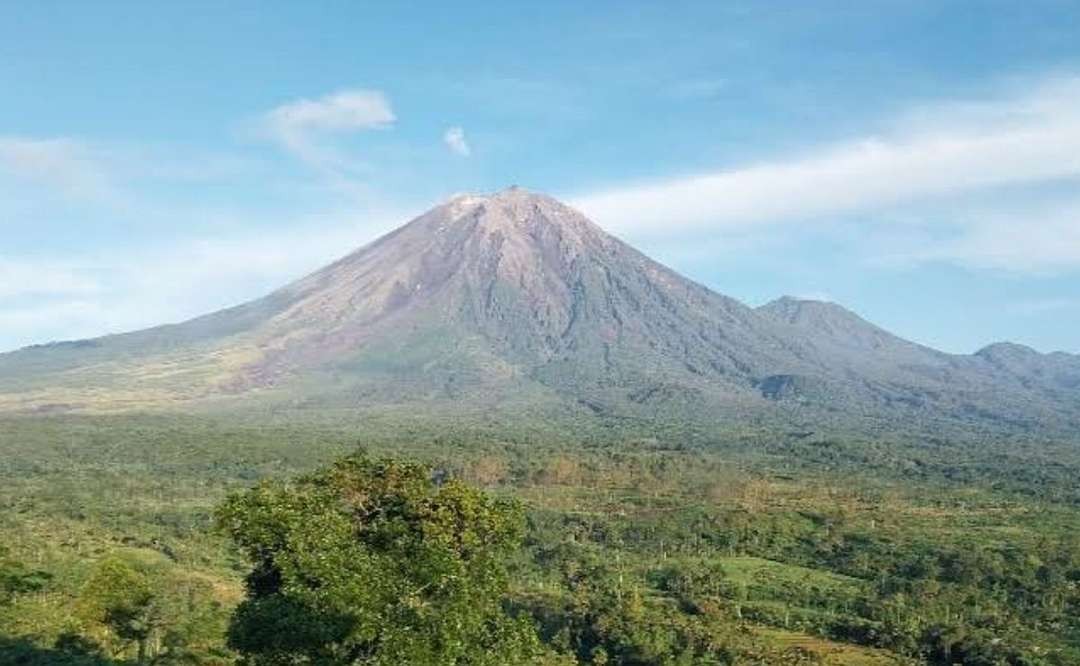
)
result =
(656, 548)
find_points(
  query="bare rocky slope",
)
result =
(514, 300)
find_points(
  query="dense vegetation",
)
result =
(593, 544)
(376, 563)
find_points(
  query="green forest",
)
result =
(173, 539)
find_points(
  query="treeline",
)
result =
(653, 551)
(378, 561)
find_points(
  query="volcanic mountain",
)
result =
(514, 300)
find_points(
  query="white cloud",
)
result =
(967, 148)
(101, 293)
(65, 164)
(299, 126)
(859, 176)
(24, 278)
(1036, 240)
(454, 138)
(34, 323)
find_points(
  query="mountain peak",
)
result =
(507, 195)
(514, 297)
(514, 214)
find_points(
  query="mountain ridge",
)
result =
(515, 298)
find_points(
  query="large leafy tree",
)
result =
(121, 598)
(376, 562)
(141, 606)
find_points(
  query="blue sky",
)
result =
(918, 162)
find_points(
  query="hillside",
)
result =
(518, 302)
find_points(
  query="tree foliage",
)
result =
(147, 611)
(376, 562)
(120, 598)
(638, 550)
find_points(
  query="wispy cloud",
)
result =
(870, 172)
(968, 148)
(1044, 306)
(64, 164)
(302, 126)
(454, 138)
(27, 278)
(1039, 239)
(99, 293)
(24, 324)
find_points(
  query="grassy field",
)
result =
(830, 652)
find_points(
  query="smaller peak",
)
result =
(795, 304)
(1006, 349)
(794, 310)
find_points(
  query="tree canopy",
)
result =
(376, 562)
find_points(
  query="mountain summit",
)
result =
(516, 300)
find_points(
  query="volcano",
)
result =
(515, 301)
